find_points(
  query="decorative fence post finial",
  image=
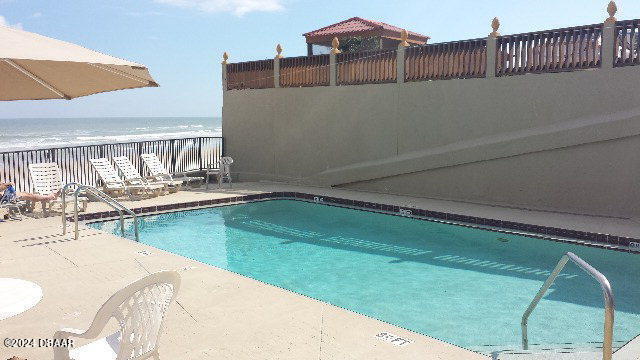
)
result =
(404, 35)
(225, 57)
(335, 43)
(495, 25)
(279, 51)
(612, 8)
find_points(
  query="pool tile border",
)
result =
(608, 241)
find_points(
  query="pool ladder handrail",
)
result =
(607, 293)
(100, 195)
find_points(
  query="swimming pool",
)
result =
(462, 285)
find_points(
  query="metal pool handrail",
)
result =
(113, 203)
(607, 293)
(63, 195)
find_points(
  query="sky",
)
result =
(182, 41)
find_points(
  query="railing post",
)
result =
(200, 153)
(400, 57)
(333, 73)
(225, 57)
(172, 149)
(491, 48)
(608, 46)
(276, 67)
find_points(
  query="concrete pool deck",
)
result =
(218, 314)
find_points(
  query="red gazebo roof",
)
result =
(357, 26)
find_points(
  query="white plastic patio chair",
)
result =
(160, 173)
(47, 179)
(222, 173)
(139, 310)
(112, 183)
(133, 177)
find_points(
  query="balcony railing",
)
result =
(611, 44)
(557, 50)
(367, 67)
(627, 46)
(250, 75)
(453, 60)
(178, 155)
(304, 71)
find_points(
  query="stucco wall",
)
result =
(564, 141)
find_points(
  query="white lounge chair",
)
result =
(139, 309)
(222, 173)
(132, 175)
(47, 179)
(160, 173)
(113, 184)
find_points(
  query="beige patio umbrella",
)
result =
(34, 67)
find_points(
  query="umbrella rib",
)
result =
(122, 73)
(37, 79)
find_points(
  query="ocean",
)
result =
(23, 134)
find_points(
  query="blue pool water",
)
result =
(461, 285)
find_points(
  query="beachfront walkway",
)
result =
(219, 314)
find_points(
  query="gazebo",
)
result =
(358, 34)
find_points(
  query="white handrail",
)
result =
(607, 293)
(113, 203)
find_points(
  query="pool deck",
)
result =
(219, 314)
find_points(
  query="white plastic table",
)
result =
(17, 296)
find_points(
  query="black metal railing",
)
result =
(178, 155)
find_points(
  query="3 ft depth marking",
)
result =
(393, 339)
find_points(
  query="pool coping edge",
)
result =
(591, 239)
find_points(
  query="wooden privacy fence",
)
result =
(304, 71)
(250, 75)
(367, 67)
(178, 155)
(549, 51)
(452, 60)
(627, 43)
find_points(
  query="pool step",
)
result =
(559, 354)
(630, 351)
(565, 351)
